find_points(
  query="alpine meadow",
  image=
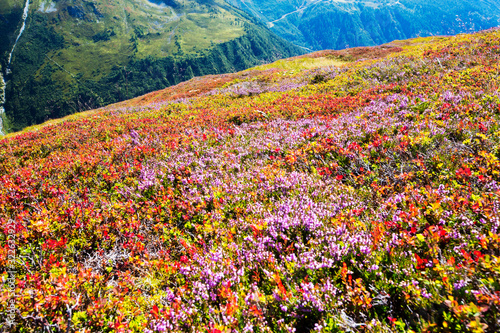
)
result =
(235, 184)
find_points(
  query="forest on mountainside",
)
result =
(319, 25)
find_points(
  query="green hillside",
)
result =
(77, 54)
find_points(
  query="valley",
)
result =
(338, 24)
(68, 56)
(79, 54)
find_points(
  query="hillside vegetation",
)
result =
(79, 54)
(359, 195)
(339, 24)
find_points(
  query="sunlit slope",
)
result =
(102, 34)
(331, 192)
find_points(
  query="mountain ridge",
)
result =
(336, 24)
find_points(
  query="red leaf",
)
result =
(155, 312)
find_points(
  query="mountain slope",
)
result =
(80, 54)
(332, 192)
(337, 24)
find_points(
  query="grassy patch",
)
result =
(302, 63)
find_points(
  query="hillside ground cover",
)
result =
(356, 198)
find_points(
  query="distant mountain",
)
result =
(81, 54)
(338, 24)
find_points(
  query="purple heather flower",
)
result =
(459, 285)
